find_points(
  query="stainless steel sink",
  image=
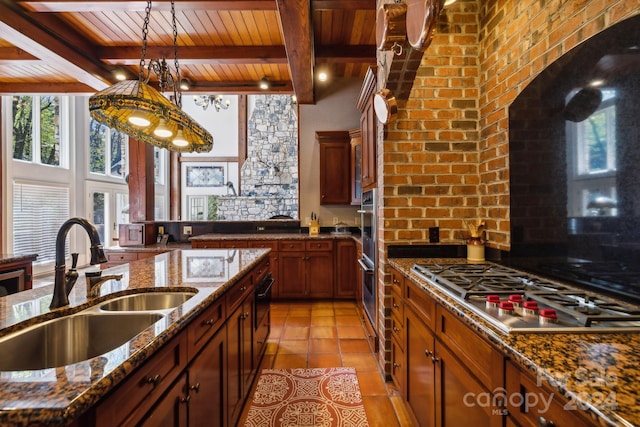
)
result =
(147, 301)
(70, 339)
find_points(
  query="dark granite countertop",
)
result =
(9, 258)
(271, 236)
(598, 371)
(56, 396)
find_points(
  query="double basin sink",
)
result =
(86, 334)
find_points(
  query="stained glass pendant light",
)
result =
(139, 110)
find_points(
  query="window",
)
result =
(592, 183)
(38, 212)
(36, 129)
(107, 151)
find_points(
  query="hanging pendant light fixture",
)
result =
(137, 109)
(218, 102)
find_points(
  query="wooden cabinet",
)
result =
(356, 166)
(125, 256)
(532, 405)
(346, 269)
(368, 128)
(306, 269)
(201, 377)
(274, 261)
(335, 169)
(446, 365)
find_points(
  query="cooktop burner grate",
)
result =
(577, 310)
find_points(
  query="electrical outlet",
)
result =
(336, 220)
(187, 230)
(307, 220)
(434, 234)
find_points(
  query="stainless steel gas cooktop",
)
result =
(515, 301)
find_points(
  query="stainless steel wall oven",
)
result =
(368, 262)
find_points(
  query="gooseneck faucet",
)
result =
(64, 281)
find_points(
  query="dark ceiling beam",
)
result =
(130, 55)
(343, 5)
(59, 6)
(363, 54)
(295, 17)
(66, 57)
(15, 55)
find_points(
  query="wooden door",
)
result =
(171, 409)
(335, 165)
(346, 269)
(369, 141)
(208, 384)
(460, 397)
(235, 380)
(420, 370)
(292, 275)
(319, 274)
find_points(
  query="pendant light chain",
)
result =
(177, 93)
(145, 33)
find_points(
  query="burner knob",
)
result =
(548, 315)
(506, 307)
(493, 301)
(530, 308)
(516, 300)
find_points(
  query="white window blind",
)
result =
(38, 213)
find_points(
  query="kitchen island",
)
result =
(592, 378)
(74, 394)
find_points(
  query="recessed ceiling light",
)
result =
(264, 83)
(596, 83)
(119, 74)
(322, 76)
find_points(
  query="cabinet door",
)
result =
(356, 166)
(369, 137)
(335, 152)
(171, 409)
(208, 384)
(346, 269)
(319, 274)
(240, 358)
(292, 275)
(460, 397)
(420, 370)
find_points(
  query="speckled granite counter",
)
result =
(271, 236)
(9, 258)
(597, 371)
(56, 396)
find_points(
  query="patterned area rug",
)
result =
(327, 397)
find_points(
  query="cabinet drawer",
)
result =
(478, 355)
(292, 246)
(319, 245)
(121, 256)
(205, 326)
(260, 271)
(234, 244)
(397, 307)
(533, 412)
(264, 244)
(237, 293)
(397, 329)
(397, 282)
(138, 393)
(205, 244)
(422, 302)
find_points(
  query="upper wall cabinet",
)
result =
(335, 174)
(368, 126)
(356, 166)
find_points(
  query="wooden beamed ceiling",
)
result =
(74, 46)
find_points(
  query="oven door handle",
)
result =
(364, 211)
(365, 268)
(265, 292)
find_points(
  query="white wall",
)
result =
(335, 109)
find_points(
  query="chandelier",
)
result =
(139, 110)
(218, 101)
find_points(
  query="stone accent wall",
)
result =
(446, 157)
(269, 176)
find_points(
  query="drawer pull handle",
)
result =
(542, 422)
(195, 388)
(395, 305)
(396, 329)
(209, 322)
(154, 381)
(185, 399)
(396, 365)
(434, 359)
(428, 353)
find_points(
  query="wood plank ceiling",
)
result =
(74, 46)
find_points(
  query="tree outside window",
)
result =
(107, 150)
(36, 129)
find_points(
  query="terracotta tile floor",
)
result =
(328, 334)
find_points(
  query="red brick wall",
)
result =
(445, 158)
